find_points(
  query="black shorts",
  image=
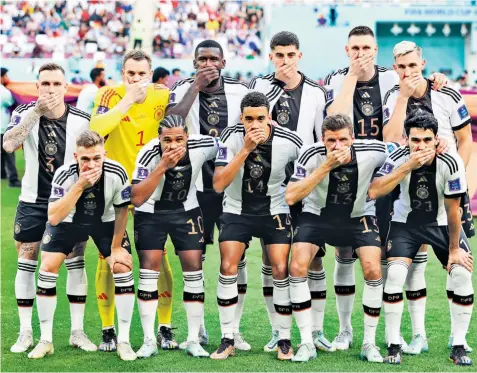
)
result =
(295, 211)
(273, 229)
(405, 240)
(30, 221)
(63, 237)
(467, 218)
(354, 232)
(185, 229)
(211, 206)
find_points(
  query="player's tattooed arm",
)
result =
(15, 137)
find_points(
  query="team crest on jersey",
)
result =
(343, 188)
(463, 112)
(102, 110)
(213, 118)
(422, 192)
(222, 153)
(256, 171)
(300, 172)
(58, 192)
(178, 184)
(126, 193)
(454, 185)
(89, 207)
(46, 238)
(158, 113)
(51, 148)
(283, 118)
(142, 173)
(367, 108)
(18, 228)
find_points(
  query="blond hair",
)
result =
(88, 139)
(406, 47)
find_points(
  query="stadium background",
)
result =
(81, 35)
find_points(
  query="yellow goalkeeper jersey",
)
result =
(127, 134)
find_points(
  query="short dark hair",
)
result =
(254, 99)
(360, 31)
(159, 73)
(175, 70)
(3, 70)
(95, 73)
(51, 67)
(137, 55)
(284, 39)
(208, 44)
(422, 120)
(337, 122)
(88, 139)
(173, 121)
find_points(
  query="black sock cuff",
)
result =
(147, 295)
(77, 298)
(46, 292)
(416, 294)
(119, 290)
(268, 291)
(242, 288)
(318, 294)
(227, 302)
(393, 298)
(284, 310)
(370, 311)
(345, 290)
(193, 297)
(301, 306)
(463, 300)
(25, 302)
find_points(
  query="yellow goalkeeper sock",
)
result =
(105, 293)
(165, 285)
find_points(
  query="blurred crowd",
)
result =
(234, 24)
(47, 29)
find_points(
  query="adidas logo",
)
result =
(103, 296)
(213, 104)
(90, 195)
(285, 104)
(422, 180)
(165, 294)
(365, 95)
(52, 134)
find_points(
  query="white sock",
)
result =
(301, 305)
(416, 294)
(282, 303)
(124, 298)
(76, 290)
(317, 286)
(242, 279)
(25, 291)
(372, 301)
(227, 298)
(147, 299)
(394, 300)
(267, 286)
(344, 288)
(450, 297)
(462, 303)
(194, 297)
(46, 303)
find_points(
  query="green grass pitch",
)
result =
(255, 326)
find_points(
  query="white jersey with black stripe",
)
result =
(50, 144)
(258, 189)
(422, 191)
(97, 203)
(176, 191)
(446, 104)
(305, 116)
(343, 193)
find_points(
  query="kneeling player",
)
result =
(427, 212)
(89, 197)
(250, 168)
(333, 179)
(164, 194)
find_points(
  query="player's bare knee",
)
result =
(28, 250)
(298, 268)
(280, 271)
(316, 264)
(371, 270)
(120, 268)
(227, 268)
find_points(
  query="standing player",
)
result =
(165, 197)
(415, 94)
(88, 93)
(427, 212)
(89, 197)
(250, 168)
(359, 91)
(128, 115)
(47, 129)
(333, 178)
(297, 103)
(210, 103)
